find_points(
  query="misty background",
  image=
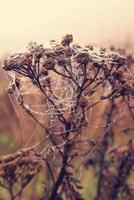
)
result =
(98, 22)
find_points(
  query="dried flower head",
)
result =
(83, 58)
(49, 64)
(117, 59)
(67, 39)
(26, 59)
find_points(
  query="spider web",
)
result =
(62, 93)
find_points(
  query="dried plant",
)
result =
(70, 80)
(20, 167)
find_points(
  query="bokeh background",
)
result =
(90, 21)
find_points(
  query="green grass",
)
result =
(89, 182)
(6, 144)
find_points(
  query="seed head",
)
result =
(67, 39)
(83, 58)
(49, 64)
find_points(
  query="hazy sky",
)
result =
(90, 21)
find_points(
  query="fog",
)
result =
(90, 21)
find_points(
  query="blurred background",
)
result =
(90, 21)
